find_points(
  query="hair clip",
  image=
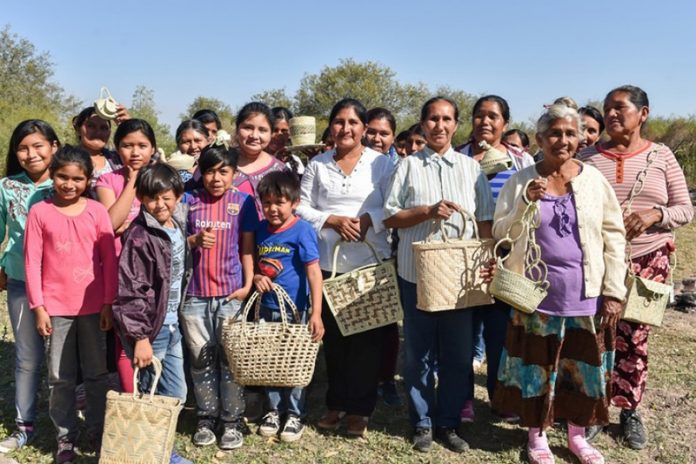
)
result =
(222, 138)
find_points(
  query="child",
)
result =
(288, 256)
(71, 282)
(135, 144)
(32, 146)
(221, 224)
(154, 269)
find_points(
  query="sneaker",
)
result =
(356, 426)
(423, 439)
(592, 431)
(467, 414)
(390, 395)
(176, 459)
(204, 434)
(232, 437)
(270, 424)
(449, 438)
(633, 430)
(18, 439)
(66, 451)
(331, 420)
(292, 430)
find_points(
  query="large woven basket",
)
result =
(139, 428)
(646, 300)
(447, 271)
(364, 298)
(271, 354)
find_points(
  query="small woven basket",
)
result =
(139, 428)
(447, 271)
(271, 354)
(517, 290)
(646, 300)
(365, 298)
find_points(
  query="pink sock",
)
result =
(537, 441)
(577, 443)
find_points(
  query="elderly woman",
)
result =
(556, 363)
(431, 185)
(342, 197)
(661, 206)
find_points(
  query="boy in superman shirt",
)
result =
(288, 256)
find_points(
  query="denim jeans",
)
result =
(29, 351)
(284, 400)
(478, 344)
(441, 339)
(70, 336)
(167, 348)
(217, 395)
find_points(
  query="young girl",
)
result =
(71, 282)
(32, 146)
(135, 144)
(192, 136)
(220, 228)
(253, 134)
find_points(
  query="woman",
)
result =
(342, 196)
(93, 134)
(593, 126)
(415, 140)
(253, 134)
(280, 138)
(555, 364)
(380, 133)
(192, 136)
(210, 120)
(489, 120)
(662, 205)
(432, 185)
(517, 139)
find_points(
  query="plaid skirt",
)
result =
(555, 367)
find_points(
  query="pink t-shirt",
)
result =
(70, 261)
(116, 182)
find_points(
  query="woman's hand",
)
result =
(43, 322)
(487, 272)
(443, 209)
(610, 311)
(347, 227)
(263, 283)
(639, 221)
(121, 114)
(365, 224)
(316, 328)
(106, 318)
(536, 189)
(142, 355)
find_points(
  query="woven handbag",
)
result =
(271, 354)
(364, 298)
(139, 428)
(447, 270)
(518, 290)
(646, 300)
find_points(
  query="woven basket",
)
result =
(646, 300)
(271, 354)
(364, 298)
(447, 271)
(139, 428)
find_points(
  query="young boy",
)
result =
(223, 269)
(288, 256)
(154, 269)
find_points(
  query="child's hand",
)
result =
(263, 284)
(106, 318)
(142, 356)
(205, 238)
(240, 294)
(43, 322)
(316, 328)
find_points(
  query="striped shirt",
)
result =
(426, 178)
(665, 189)
(217, 271)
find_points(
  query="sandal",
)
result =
(588, 455)
(540, 456)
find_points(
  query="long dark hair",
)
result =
(23, 129)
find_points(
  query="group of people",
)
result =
(116, 257)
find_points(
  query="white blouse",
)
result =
(327, 190)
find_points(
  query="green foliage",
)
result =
(223, 110)
(679, 134)
(275, 97)
(143, 107)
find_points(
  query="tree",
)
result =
(143, 107)
(223, 110)
(275, 97)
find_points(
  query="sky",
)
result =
(529, 52)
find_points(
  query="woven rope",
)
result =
(139, 428)
(267, 353)
(448, 271)
(364, 298)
